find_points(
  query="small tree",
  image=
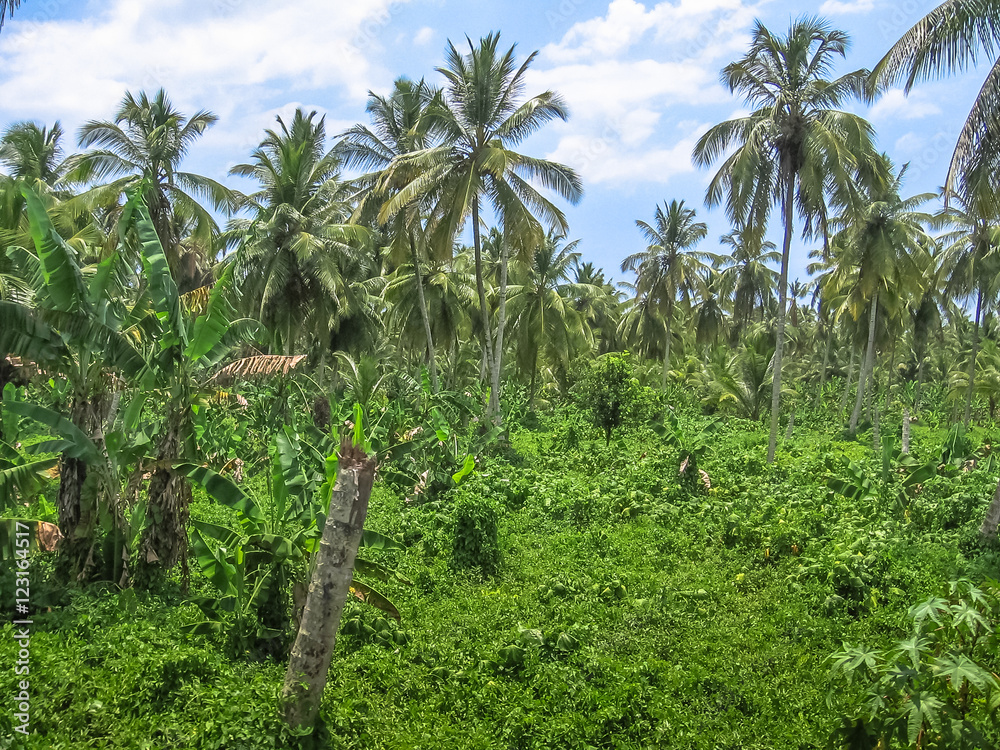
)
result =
(609, 392)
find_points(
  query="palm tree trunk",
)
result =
(309, 663)
(666, 345)
(905, 447)
(425, 315)
(847, 384)
(779, 344)
(920, 383)
(992, 520)
(481, 289)
(791, 425)
(498, 353)
(534, 371)
(826, 364)
(876, 435)
(972, 363)
(866, 367)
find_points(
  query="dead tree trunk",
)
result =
(328, 590)
(992, 520)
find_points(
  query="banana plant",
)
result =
(274, 546)
(72, 328)
(185, 348)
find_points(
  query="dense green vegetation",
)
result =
(726, 511)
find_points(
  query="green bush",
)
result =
(475, 543)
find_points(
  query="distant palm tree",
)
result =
(792, 145)
(971, 267)
(401, 124)
(746, 274)
(882, 235)
(668, 268)
(33, 153)
(297, 256)
(544, 315)
(483, 120)
(145, 144)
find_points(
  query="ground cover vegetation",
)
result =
(325, 476)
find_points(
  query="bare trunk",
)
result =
(425, 315)
(972, 363)
(847, 384)
(329, 588)
(920, 383)
(791, 425)
(779, 344)
(666, 345)
(866, 367)
(481, 289)
(905, 447)
(498, 352)
(826, 364)
(876, 435)
(992, 520)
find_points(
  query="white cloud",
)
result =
(837, 7)
(220, 53)
(424, 36)
(896, 105)
(609, 156)
(622, 73)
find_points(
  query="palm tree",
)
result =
(746, 274)
(544, 315)
(791, 147)
(668, 268)
(599, 304)
(882, 237)
(482, 121)
(145, 144)
(296, 260)
(33, 153)
(970, 264)
(946, 41)
(401, 124)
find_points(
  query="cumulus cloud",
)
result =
(424, 36)
(838, 7)
(623, 72)
(896, 105)
(235, 56)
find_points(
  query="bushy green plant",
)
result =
(475, 543)
(609, 392)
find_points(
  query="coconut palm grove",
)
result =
(357, 448)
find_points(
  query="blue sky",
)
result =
(641, 81)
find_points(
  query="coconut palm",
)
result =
(297, 262)
(401, 123)
(883, 236)
(145, 144)
(34, 153)
(483, 120)
(746, 274)
(544, 315)
(971, 267)
(668, 268)
(791, 147)
(946, 41)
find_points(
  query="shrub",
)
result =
(474, 541)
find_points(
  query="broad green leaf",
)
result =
(368, 595)
(468, 466)
(211, 328)
(222, 490)
(213, 564)
(161, 285)
(79, 445)
(64, 288)
(375, 541)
